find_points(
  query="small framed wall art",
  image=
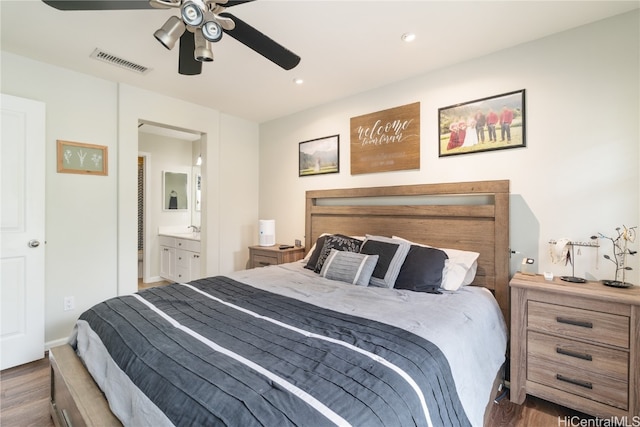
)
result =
(85, 159)
(492, 123)
(319, 156)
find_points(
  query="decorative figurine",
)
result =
(620, 252)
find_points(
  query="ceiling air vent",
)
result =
(103, 56)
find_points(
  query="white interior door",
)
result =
(22, 171)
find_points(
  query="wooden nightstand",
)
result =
(576, 344)
(261, 256)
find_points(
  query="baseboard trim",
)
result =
(55, 343)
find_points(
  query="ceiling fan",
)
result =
(201, 22)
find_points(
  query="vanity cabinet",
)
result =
(179, 259)
(167, 260)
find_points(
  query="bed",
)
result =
(309, 344)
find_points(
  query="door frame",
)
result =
(146, 253)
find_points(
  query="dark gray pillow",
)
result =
(422, 269)
(313, 259)
(391, 253)
(338, 242)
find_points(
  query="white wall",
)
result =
(137, 104)
(577, 176)
(238, 191)
(91, 221)
(81, 211)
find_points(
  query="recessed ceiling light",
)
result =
(408, 37)
(298, 81)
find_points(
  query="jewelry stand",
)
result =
(573, 278)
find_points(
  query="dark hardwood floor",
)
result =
(24, 402)
(24, 398)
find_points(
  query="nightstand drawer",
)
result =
(579, 323)
(261, 256)
(586, 370)
(263, 261)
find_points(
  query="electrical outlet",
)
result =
(69, 303)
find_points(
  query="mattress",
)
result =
(282, 346)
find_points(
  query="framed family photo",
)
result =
(492, 123)
(319, 156)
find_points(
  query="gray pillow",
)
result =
(339, 242)
(350, 267)
(391, 253)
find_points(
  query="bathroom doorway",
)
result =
(163, 148)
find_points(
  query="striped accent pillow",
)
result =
(350, 267)
(392, 253)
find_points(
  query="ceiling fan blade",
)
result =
(230, 3)
(187, 63)
(99, 4)
(262, 44)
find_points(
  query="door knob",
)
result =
(33, 243)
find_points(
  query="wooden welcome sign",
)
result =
(387, 140)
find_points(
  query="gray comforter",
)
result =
(220, 352)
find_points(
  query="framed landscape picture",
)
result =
(319, 156)
(492, 123)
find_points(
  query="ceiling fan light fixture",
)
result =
(170, 32)
(211, 30)
(202, 52)
(193, 13)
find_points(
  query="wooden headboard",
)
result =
(471, 216)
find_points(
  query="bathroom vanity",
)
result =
(180, 256)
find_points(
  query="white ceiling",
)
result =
(347, 47)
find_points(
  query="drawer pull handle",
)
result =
(583, 356)
(580, 383)
(67, 419)
(264, 263)
(574, 322)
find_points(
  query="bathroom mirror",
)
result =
(175, 191)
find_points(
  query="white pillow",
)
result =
(459, 270)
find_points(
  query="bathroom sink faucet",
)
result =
(196, 229)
